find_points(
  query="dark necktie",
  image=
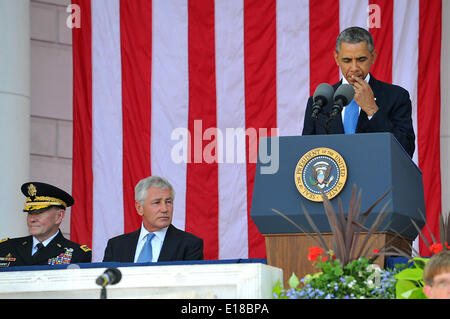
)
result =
(39, 247)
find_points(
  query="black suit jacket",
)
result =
(177, 245)
(393, 115)
(59, 249)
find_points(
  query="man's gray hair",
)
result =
(355, 35)
(140, 191)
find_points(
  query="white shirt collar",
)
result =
(45, 242)
(160, 234)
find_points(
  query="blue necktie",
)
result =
(351, 117)
(146, 252)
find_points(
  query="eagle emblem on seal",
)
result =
(321, 174)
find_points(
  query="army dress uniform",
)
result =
(59, 250)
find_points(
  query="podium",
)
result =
(374, 162)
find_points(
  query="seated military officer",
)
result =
(46, 206)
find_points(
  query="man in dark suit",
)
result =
(45, 205)
(382, 107)
(157, 239)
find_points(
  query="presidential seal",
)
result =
(321, 169)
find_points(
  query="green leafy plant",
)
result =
(409, 281)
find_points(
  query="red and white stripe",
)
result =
(155, 78)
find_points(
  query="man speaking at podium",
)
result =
(376, 106)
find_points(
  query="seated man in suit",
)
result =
(157, 239)
(46, 206)
(382, 107)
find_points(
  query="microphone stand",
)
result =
(327, 127)
(111, 276)
(103, 293)
(335, 111)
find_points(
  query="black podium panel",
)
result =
(375, 162)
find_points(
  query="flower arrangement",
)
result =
(357, 279)
(347, 269)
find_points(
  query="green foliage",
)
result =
(409, 281)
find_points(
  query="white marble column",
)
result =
(14, 114)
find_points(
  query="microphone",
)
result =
(111, 276)
(322, 95)
(343, 96)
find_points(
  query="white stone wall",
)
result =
(51, 98)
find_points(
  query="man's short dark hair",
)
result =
(355, 35)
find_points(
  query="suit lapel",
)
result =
(169, 245)
(131, 245)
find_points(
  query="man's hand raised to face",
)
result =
(364, 96)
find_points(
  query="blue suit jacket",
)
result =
(178, 245)
(393, 115)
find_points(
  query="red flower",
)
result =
(376, 251)
(326, 258)
(314, 252)
(436, 247)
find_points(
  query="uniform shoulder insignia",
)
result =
(3, 240)
(85, 248)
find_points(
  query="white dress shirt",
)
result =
(157, 242)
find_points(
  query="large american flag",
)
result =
(157, 84)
